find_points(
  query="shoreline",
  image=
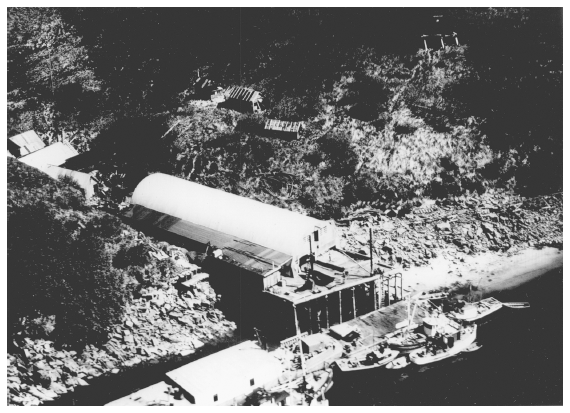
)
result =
(488, 272)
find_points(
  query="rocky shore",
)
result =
(160, 323)
(455, 227)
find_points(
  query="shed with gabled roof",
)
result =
(55, 154)
(25, 143)
(282, 129)
(243, 99)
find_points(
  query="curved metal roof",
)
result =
(262, 224)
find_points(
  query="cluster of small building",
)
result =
(30, 149)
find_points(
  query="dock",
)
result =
(377, 324)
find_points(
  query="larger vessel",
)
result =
(446, 338)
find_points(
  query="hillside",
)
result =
(410, 123)
(446, 152)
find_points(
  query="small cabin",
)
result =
(243, 100)
(282, 129)
(56, 154)
(24, 144)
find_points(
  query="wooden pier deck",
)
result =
(378, 323)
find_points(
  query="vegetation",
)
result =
(385, 122)
(60, 274)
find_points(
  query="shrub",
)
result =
(60, 260)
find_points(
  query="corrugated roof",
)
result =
(243, 93)
(28, 142)
(55, 154)
(246, 254)
(282, 125)
(272, 227)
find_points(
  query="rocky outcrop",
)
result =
(468, 224)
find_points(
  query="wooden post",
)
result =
(425, 44)
(442, 43)
(310, 318)
(388, 290)
(371, 260)
(319, 311)
(327, 309)
(353, 303)
(375, 297)
(311, 255)
(340, 305)
(296, 320)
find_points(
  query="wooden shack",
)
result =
(243, 100)
(56, 154)
(25, 143)
(282, 129)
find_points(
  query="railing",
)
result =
(292, 340)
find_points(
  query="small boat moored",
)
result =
(447, 338)
(368, 358)
(517, 305)
(406, 339)
(398, 363)
(475, 311)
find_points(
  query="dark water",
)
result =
(520, 362)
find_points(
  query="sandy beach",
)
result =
(488, 272)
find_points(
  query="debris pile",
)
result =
(467, 224)
(162, 321)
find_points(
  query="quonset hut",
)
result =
(258, 251)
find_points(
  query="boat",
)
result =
(308, 390)
(473, 347)
(371, 357)
(476, 311)
(517, 305)
(406, 339)
(447, 339)
(398, 363)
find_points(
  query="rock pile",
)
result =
(161, 322)
(492, 222)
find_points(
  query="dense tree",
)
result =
(60, 261)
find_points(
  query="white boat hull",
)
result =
(357, 364)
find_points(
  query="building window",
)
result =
(215, 397)
(316, 235)
(251, 382)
